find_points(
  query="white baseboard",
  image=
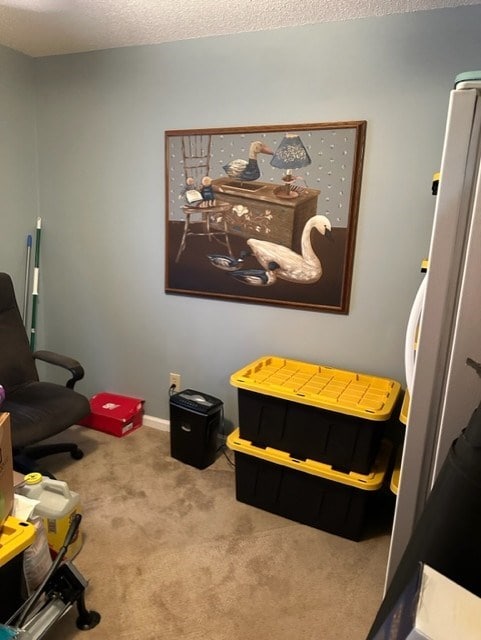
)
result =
(156, 423)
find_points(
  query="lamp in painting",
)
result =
(290, 154)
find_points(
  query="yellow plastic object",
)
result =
(403, 415)
(396, 472)
(370, 482)
(33, 478)
(15, 536)
(355, 394)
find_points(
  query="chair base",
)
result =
(25, 461)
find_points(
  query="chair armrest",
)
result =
(65, 362)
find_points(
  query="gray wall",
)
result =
(18, 163)
(101, 119)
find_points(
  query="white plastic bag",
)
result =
(36, 558)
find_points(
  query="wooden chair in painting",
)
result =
(207, 218)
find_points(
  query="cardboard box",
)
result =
(6, 468)
(432, 607)
(114, 414)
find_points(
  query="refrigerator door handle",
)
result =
(411, 335)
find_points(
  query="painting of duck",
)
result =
(303, 268)
(247, 169)
(227, 263)
(257, 277)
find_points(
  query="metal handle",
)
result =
(412, 327)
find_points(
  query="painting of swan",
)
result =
(258, 246)
(303, 268)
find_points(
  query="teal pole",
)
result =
(36, 272)
(27, 280)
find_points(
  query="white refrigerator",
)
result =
(443, 341)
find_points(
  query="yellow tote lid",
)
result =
(396, 472)
(369, 482)
(320, 386)
(403, 415)
(15, 536)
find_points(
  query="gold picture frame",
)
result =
(264, 214)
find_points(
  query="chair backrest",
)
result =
(17, 365)
(196, 157)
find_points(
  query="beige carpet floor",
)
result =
(170, 554)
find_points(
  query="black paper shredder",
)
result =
(195, 420)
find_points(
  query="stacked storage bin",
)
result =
(396, 472)
(15, 537)
(309, 444)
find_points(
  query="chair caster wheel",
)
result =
(88, 621)
(77, 454)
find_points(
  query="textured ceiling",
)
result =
(52, 27)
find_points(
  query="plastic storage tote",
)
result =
(309, 492)
(396, 472)
(315, 411)
(15, 537)
(403, 414)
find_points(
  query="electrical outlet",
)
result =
(174, 379)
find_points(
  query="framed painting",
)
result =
(265, 215)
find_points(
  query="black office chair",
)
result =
(37, 409)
